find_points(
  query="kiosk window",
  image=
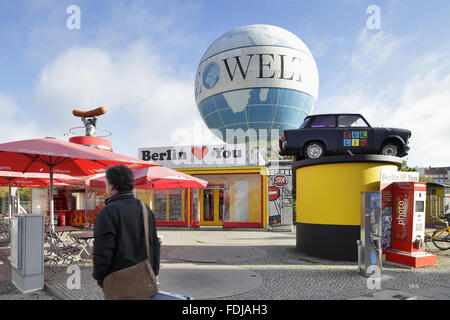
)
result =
(420, 206)
(159, 205)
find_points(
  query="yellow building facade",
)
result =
(236, 197)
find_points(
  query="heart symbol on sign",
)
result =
(200, 153)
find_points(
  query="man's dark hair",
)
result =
(120, 177)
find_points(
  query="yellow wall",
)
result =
(143, 195)
(229, 176)
(436, 201)
(232, 175)
(330, 193)
(253, 197)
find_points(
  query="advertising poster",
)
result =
(401, 223)
(386, 214)
(386, 188)
(15, 242)
(227, 155)
(280, 196)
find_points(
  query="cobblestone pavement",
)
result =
(8, 291)
(286, 273)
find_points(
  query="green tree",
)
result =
(25, 193)
(404, 167)
(425, 179)
(3, 192)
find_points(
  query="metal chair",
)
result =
(83, 241)
(59, 253)
(5, 233)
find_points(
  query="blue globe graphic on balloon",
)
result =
(211, 75)
(256, 77)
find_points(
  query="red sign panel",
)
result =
(280, 180)
(401, 217)
(274, 193)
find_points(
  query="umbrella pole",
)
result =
(150, 204)
(85, 206)
(9, 199)
(18, 199)
(51, 208)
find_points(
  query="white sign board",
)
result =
(202, 156)
(389, 176)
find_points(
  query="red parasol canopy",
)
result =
(39, 155)
(158, 178)
(33, 180)
(51, 155)
(36, 180)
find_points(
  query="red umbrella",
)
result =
(158, 178)
(35, 180)
(50, 155)
(32, 180)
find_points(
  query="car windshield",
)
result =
(351, 121)
(305, 123)
(323, 121)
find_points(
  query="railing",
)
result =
(4, 205)
(81, 131)
(438, 206)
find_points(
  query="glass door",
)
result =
(214, 205)
(208, 205)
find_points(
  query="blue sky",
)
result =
(138, 58)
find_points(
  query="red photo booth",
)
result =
(408, 226)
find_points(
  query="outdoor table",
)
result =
(60, 245)
(66, 229)
(83, 239)
(61, 230)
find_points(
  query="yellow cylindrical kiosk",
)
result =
(328, 201)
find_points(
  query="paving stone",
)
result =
(285, 273)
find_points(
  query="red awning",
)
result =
(51, 156)
(39, 155)
(36, 180)
(158, 178)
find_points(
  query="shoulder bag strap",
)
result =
(145, 216)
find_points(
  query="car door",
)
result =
(355, 134)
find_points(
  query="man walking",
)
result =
(119, 240)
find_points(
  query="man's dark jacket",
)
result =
(119, 240)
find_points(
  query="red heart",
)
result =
(200, 153)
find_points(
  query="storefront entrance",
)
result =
(234, 198)
(214, 205)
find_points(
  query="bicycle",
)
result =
(441, 235)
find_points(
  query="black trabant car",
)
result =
(324, 134)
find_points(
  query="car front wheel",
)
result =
(390, 149)
(314, 150)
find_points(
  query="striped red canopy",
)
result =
(36, 180)
(158, 178)
(38, 155)
(55, 156)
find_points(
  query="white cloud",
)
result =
(420, 104)
(147, 100)
(394, 82)
(12, 122)
(373, 49)
(321, 46)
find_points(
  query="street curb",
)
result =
(60, 295)
(163, 228)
